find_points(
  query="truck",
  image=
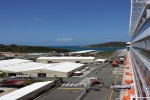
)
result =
(121, 61)
(115, 64)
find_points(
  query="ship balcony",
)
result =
(142, 74)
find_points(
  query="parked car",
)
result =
(78, 73)
(87, 68)
(121, 60)
(13, 77)
(115, 64)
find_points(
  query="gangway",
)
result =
(120, 86)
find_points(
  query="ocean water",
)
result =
(78, 48)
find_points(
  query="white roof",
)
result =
(12, 61)
(64, 57)
(64, 67)
(78, 72)
(37, 53)
(102, 60)
(19, 67)
(27, 66)
(121, 58)
(128, 43)
(24, 91)
(83, 51)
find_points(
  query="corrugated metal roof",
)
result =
(24, 91)
(12, 61)
(64, 57)
(83, 51)
(64, 67)
(17, 66)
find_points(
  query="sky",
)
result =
(63, 22)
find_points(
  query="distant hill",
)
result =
(28, 49)
(108, 44)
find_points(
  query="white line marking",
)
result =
(71, 84)
(75, 85)
(67, 84)
(63, 84)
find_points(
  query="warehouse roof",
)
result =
(27, 66)
(64, 67)
(24, 91)
(65, 57)
(83, 51)
(101, 60)
(13, 61)
(19, 67)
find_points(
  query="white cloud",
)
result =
(64, 39)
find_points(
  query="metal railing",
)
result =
(139, 98)
(145, 87)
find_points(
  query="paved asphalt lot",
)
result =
(63, 94)
(71, 92)
(67, 91)
(105, 93)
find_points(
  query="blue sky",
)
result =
(63, 22)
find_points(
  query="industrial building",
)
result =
(19, 54)
(101, 60)
(29, 92)
(65, 59)
(16, 67)
(82, 52)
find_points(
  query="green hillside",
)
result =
(28, 49)
(108, 44)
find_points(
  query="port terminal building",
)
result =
(18, 67)
(29, 92)
(65, 59)
(83, 52)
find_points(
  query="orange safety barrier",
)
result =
(128, 93)
(127, 63)
(128, 67)
(128, 73)
(128, 81)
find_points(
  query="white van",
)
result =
(87, 68)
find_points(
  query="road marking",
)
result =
(63, 84)
(76, 85)
(67, 84)
(72, 88)
(71, 84)
(111, 89)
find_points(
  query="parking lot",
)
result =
(72, 89)
(63, 93)
(105, 93)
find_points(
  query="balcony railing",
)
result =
(145, 87)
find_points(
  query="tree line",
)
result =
(29, 49)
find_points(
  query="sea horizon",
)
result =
(79, 48)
